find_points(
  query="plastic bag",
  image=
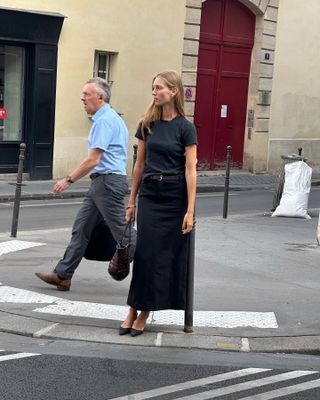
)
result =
(318, 231)
(295, 197)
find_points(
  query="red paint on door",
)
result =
(226, 40)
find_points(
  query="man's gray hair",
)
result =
(103, 87)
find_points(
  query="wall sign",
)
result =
(224, 111)
(3, 113)
(188, 93)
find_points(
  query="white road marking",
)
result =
(301, 387)
(245, 346)
(13, 295)
(211, 394)
(17, 356)
(58, 306)
(222, 319)
(192, 384)
(69, 203)
(158, 341)
(44, 330)
(16, 245)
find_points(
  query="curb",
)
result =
(81, 193)
(203, 188)
(45, 329)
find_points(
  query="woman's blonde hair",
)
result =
(154, 113)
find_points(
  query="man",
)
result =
(106, 162)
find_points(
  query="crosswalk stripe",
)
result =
(211, 394)
(301, 387)
(192, 384)
(17, 356)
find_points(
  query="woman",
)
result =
(165, 175)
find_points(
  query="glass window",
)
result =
(102, 61)
(12, 60)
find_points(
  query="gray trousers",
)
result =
(104, 200)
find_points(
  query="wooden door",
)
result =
(226, 41)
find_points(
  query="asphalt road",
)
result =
(50, 214)
(61, 370)
(58, 370)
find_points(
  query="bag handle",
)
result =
(128, 226)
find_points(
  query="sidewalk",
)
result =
(257, 287)
(207, 182)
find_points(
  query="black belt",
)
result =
(95, 175)
(161, 177)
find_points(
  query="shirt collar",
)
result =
(100, 112)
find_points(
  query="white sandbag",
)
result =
(297, 184)
(318, 231)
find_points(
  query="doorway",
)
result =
(226, 39)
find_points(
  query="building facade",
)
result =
(250, 77)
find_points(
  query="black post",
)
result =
(226, 185)
(300, 151)
(135, 150)
(17, 197)
(188, 313)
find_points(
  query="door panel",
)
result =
(226, 40)
(239, 24)
(204, 116)
(212, 23)
(230, 129)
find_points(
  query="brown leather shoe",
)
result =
(53, 279)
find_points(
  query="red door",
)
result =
(226, 40)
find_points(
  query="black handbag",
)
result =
(101, 246)
(119, 266)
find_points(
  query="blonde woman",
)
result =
(165, 176)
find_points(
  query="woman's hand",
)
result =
(130, 213)
(187, 224)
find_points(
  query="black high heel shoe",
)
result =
(124, 331)
(136, 332)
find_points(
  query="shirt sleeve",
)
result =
(139, 134)
(189, 134)
(101, 135)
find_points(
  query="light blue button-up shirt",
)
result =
(109, 134)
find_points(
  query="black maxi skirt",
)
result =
(159, 272)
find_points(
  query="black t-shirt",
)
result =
(166, 146)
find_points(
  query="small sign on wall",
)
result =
(3, 113)
(224, 111)
(188, 94)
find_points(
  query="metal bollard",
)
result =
(188, 313)
(226, 185)
(135, 150)
(17, 197)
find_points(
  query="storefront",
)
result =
(28, 64)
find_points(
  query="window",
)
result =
(102, 62)
(11, 92)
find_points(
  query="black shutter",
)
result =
(42, 112)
